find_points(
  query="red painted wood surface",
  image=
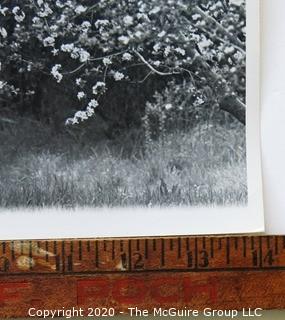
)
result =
(178, 272)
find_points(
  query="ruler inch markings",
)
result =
(204, 253)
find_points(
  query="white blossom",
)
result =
(107, 61)
(49, 42)
(127, 57)
(85, 25)
(59, 4)
(138, 34)
(78, 81)
(128, 20)
(3, 32)
(80, 95)
(155, 10)
(156, 47)
(80, 9)
(45, 11)
(55, 51)
(2, 84)
(168, 106)
(93, 103)
(68, 47)
(161, 34)
(81, 115)
(124, 39)
(83, 55)
(229, 50)
(167, 51)
(36, 20)
(70, 121)
(196, 16)
(204, 44)
(100, 23)
(3, 10)
(118, 76)
(89, 111)
(18, 15)
(198, 101)
(181, 51)
(15, 10)
(238, 55)
(56, 74)
(99, 85)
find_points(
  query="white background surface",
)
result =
(273, 113)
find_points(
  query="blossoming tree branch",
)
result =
(93, 44)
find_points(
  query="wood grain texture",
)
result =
(173, 272)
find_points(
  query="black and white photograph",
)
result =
(125, 104)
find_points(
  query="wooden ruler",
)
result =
(112, 275)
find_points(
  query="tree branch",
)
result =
(152, 68)
(210, 19)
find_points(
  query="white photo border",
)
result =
(129, 222)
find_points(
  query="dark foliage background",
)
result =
(210, 33)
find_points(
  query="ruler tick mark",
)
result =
(179, 248)
(244, 246)
(121, 245)
(4, 247)
(12, 250)
(260, 253)
(276, 245)
(252, 244)
(57, 263)
(96, 254)
(212, 247)
(154, 244)
(236, 243)
(113, 250)
(187, 244)
(38, 247)
(70, 263)
(55, 247)
(30, 255)
(196, 254)
(204, 243)
(22, 247)
(47, 251)
(220, 243)
(268, 242)
(63, 255)
(146, 249)
(162, 261)
(130, 254)
(228, 250)
(80, 250)
(171, 244)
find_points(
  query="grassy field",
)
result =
(203, 167)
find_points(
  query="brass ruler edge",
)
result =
(166, 237)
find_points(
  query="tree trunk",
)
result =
(235, 107)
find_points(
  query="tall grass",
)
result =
(203, 167)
